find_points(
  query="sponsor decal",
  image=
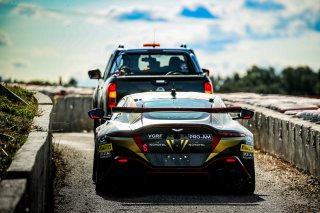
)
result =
(247, 155)
(246, 148)
(249, 141)
(200, 136)
(103, 139)
(157, 145)
(105, 147)
(154, 136)
(197, 145)
(105, 154)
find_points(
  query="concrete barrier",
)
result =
(70, 113)
(28, 185)
(292, 139)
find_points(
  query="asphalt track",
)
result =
(279, 188)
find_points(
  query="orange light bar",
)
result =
(152, 45)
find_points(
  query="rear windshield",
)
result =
(174, 103)
(154, 64)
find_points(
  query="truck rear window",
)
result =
(154, 64)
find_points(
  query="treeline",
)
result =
(71, 83)
(300, 81)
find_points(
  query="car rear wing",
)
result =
(243, 113)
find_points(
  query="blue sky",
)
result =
(44, 40)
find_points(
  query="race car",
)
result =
(167, 137)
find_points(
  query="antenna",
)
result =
(154, 35)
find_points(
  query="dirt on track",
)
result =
(279, 187)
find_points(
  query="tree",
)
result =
(291, 81)
(72, 82)
(299, 81)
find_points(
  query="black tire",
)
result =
(100, 182)
(249, 187)
(100, 187)
(96, 123)
(246, 185)
(94, 166)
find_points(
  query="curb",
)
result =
(27, 186)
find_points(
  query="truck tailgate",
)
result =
(134, 84)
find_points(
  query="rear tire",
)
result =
(245, 186)
(100, 182)
(96, 123)
(249, 187)
(100, 187)
(94, 167)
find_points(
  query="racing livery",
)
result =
(173, 135)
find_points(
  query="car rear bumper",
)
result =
(133, 169)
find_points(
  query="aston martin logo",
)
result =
(177, 145)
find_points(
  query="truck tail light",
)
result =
(112, 95)
(208, 87)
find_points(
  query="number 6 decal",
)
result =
(145, 147)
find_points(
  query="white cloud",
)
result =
(246, 37)
(279, 53)
(20, 64)
(44, 52)
(33, 10)
(4, 39)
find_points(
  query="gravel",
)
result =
(279, 187)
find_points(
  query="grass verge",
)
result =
(15, 124)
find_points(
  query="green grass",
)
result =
(15, 124)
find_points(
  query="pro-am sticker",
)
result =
(105, 147)
(246, 148)
(200, 136)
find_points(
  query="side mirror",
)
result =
(206, 71)
(96, 113)
(94, 74)
(244, 114)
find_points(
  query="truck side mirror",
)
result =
(96, 113)
(94, 74)
(244, 114)
(206, 71)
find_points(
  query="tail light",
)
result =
(231, 134)
(112, 95)
(208, 87)
(122, 160)
(230, 160)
